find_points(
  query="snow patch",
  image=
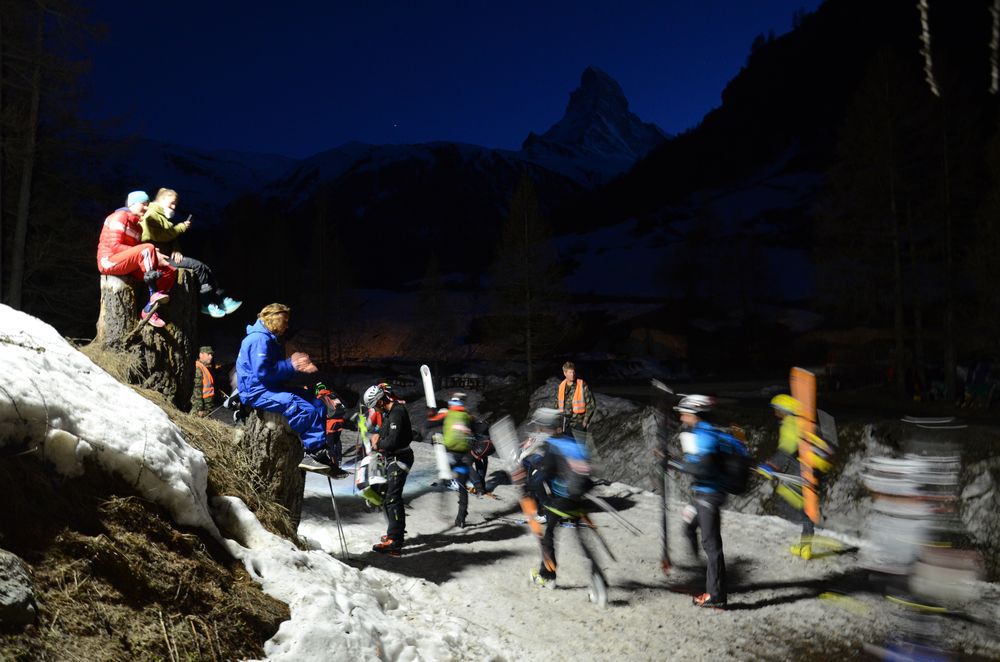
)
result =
(55, 394)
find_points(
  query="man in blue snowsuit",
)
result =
(700, 445)
(262, 371)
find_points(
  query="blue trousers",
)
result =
(306, 416)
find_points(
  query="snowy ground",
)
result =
(481, 574)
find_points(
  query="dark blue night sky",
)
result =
(295, 77)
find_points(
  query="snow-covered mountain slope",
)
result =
(755, 227)
(598, 136)
(206, 180)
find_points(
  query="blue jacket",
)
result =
(261, 366)
(566, 466)
(701, 464)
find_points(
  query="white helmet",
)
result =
(372, 396)
(695, 404)
(546, 417)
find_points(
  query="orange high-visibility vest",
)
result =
(207, 383)
(578, 405)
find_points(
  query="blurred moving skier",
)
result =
(700, 445)
(393, 441)
(787, 460)
(458, 440)
(564, 467)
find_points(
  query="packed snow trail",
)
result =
(775, 606)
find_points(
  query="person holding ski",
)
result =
(161, 231)
(564, 466)
(787, 461)
(575, 401)
(458, 440)
(393, 441)
(203, 393)
(262, 373)
(120, 252)
(700, 445)
(336, 421)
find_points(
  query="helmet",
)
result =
(695, 404)
(387, 390)
(373, 395)
(547, 417)
(786, 403)
(457, 400)
(320, 388)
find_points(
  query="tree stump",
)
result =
(160, 359)
(274, 451)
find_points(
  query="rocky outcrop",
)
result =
(979, 506)
(17, 593)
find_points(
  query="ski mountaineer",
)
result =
(158, 229)
(393, 442)
(336, 421)
(458, 440)
(700, 444)
(786, 460)
(565, 467)
(120, 253)
(575, 401)
(262, 373)
(203, 394)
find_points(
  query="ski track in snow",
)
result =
(482, 571)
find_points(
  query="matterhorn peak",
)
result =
(597, 127)
(597, 91)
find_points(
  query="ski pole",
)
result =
(609, 509)
(336, 514)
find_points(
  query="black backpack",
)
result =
(734, 462)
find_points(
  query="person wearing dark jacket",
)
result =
(393, 442)
(700, 444)
(564, 466)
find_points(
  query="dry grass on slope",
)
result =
(116, 579)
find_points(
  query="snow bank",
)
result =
(53, 393)
(341, 613)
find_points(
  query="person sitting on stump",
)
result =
(158, 228)
(262, 372)
(120, 253)
(203, 394)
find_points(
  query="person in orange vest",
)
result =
(574, 400)
(203, 395)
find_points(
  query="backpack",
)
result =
(733, 461)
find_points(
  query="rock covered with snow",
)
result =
(17, 593)
(55, 395)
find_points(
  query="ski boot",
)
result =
(543, 582)
(803, 549)
(388, 546)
